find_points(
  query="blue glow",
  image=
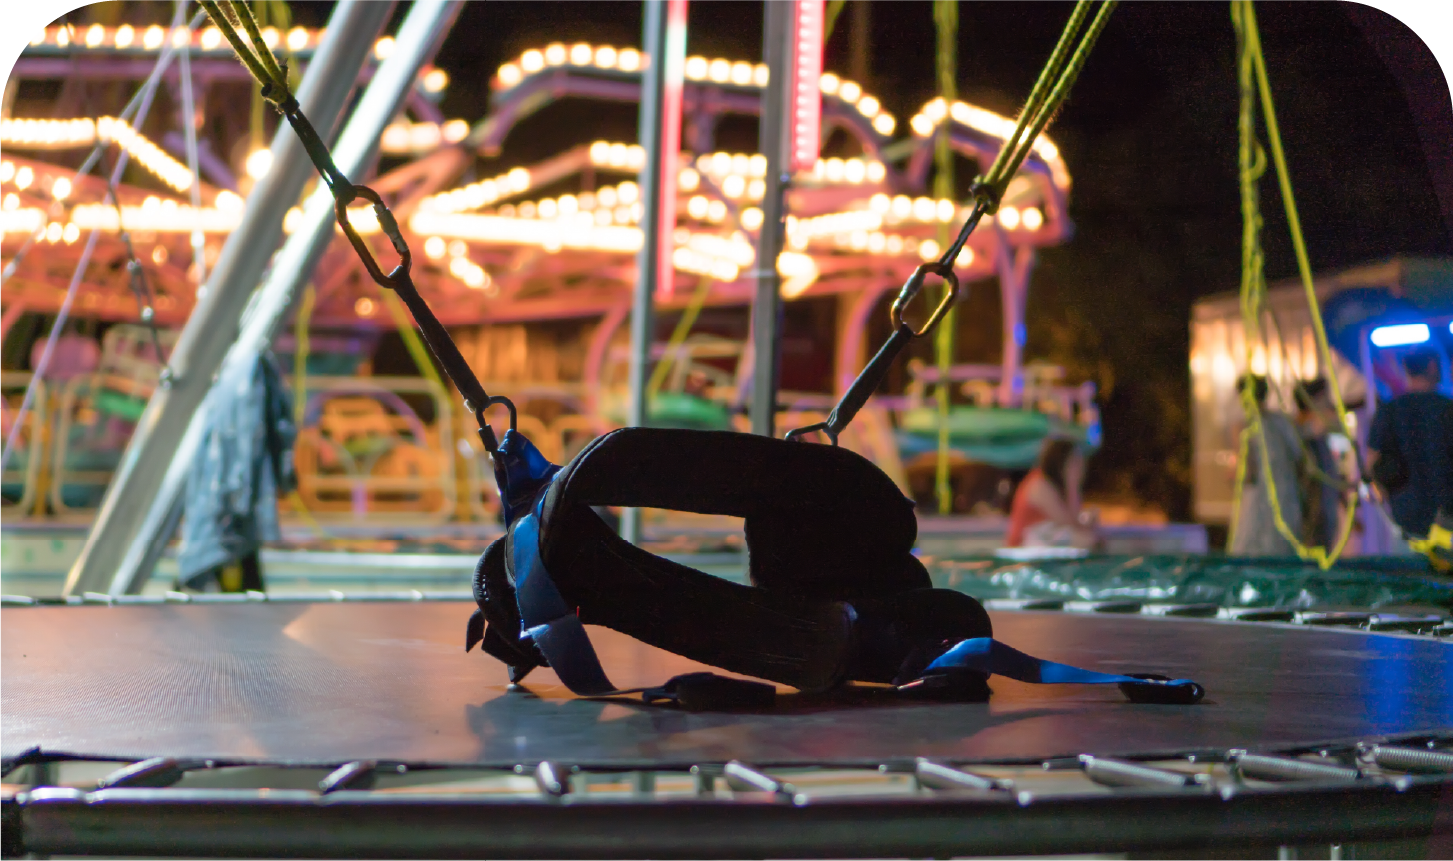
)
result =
(1401, 335)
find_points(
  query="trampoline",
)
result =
(346, 691)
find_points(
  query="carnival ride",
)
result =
(551, 240)
(307, 727)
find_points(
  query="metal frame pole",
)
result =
(134, 501)
(663, 40)
(767, 304)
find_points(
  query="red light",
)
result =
(806, 116)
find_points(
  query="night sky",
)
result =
(1149, 135)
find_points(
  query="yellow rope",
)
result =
(1049, 92)
(307, 516)
(1251, 67)
(412, 342)
(678, 337)
(946, 22)
(280, 17)
(228, 20)
(834, 9)
(301, 348)
(1244, 449)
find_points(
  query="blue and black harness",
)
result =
(832, 601)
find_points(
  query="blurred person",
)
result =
(1321, 480)
(1410, 447)
(1256, 529)
(1046, 508)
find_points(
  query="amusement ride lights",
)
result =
(984, 121)
(146, 153)
(99, 39)
(478, 194)
(718, 71)
(406, 137)
(66, 134)
(902, 208)
(157, 216)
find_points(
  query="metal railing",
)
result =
(28, 477)
(364, 451)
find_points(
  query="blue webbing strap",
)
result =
(546, 619)
(989, 656)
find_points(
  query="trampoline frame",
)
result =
(1123, 808)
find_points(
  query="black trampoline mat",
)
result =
(331, 682)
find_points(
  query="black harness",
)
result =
(836, 594)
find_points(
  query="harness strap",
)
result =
(546, 619)
(991, 657)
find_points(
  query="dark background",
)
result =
(1149, 135)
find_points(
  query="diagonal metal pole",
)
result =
(134, 495)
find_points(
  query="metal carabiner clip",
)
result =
(390, 228)
(914, 284)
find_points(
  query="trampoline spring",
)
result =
(1263, 615)
(1119, 773)
(1279, 768)
(1413, 760)
(1406, 624)
(156, 773)
(355, 775)
(1117, 606)
(1193, 611)
(552, 779)
(935, 775)
(1350, 619)
(741, 777)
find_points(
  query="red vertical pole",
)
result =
(670, 130)
(806, 108)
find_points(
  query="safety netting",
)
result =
(1366, 582)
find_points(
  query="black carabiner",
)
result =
(914, 284)
(877, 368)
